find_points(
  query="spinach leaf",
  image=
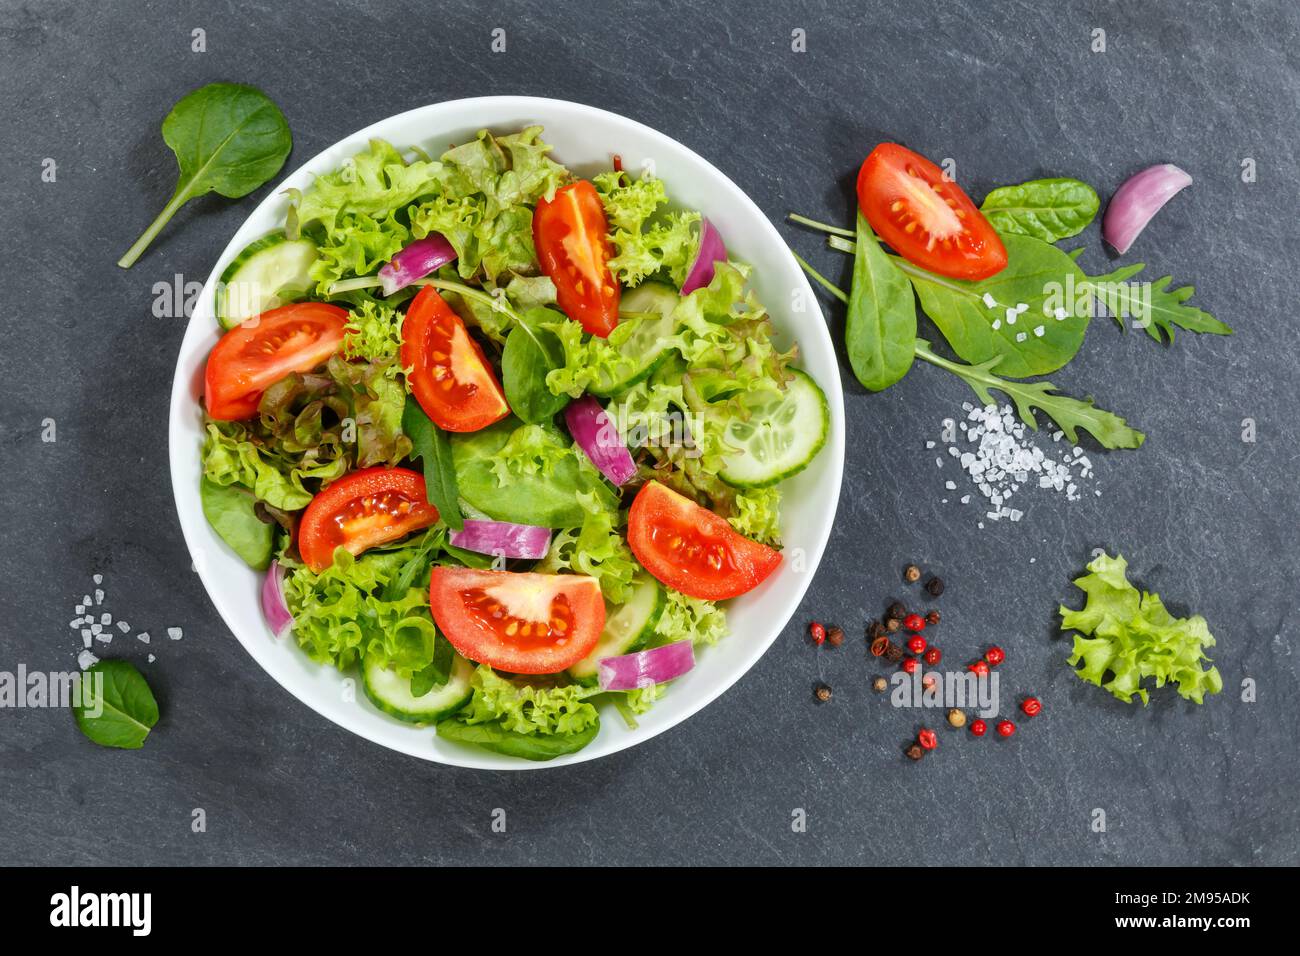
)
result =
(232, 512)
(492, 736)
(429, 443)
(121, 709)
(1047, 209)
(1038, 275)
(881, 322)
(500, 474)
(228, 138)
(1070, 414)
(439, 669)
(530, 353)
(1165, 309)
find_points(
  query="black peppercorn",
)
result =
(932, 617)
(874, 630)
(896, 610)
(934, 586)
(893, 653)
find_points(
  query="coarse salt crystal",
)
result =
(99, 595)
(1039, 331)
(1020, 336)
(1011, 316)
(105, 618)
(123, 626)
(950, 485)
(98, 578)
(1060, 314)
(175, 633)
(997, 324)
(929, 444)
(1022, 307)
(143, 637)
(152, 658)
(86, 660)
(989, 301)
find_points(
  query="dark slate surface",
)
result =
(1205, 518)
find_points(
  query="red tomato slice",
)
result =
(926, 218)
(361, 510)
(255, 355)
(449, 375)
(571, 236)
(691, 549)
(524, 623)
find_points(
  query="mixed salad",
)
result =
(502, 439)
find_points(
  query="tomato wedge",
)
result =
(571, 236)
(925, 217)
(361, 510)
(253, 356)
(691, 549)
(449, 375)
(524, 623)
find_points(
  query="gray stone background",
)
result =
(1012, 91)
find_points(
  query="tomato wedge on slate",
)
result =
(255, 355)
(571, 236)
(524, 623)
(926, 218)
(361, 510)
(693, 550)
(449, 375)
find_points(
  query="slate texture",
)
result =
(1012, 91)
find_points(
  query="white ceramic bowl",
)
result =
(584, 138)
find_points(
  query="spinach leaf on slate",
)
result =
(231, 510)
(514, 744)
(881, 322)
(429, 443)
(121, 711)
(228, 138)
(530, 353)
(1047, 209)
(1038, 275)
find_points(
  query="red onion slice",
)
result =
(1141, 197)
(502, 538)
(646, 668)
(599, 439)
(273, 603)
(415, 262)
(711, 250)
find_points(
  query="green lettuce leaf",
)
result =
(688, 618)
(645, 242)
(373, 333)
(529, 708)
(1131, 636)
(372, 183)
(757, 514)
(596, 549)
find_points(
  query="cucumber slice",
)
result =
(392, 694)
(628, 627)
(647, 311)
(255, 279)
(783, 432)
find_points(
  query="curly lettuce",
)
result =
(645, 242)
(1130, 635)
(596, 549)
(529, 708)
(373, 333)
(345, 613)
(688, 618)
(371, 184)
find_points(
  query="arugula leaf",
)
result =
(229, 139)
(1047, 209)
(514, 744)
(231, 511)
(530, 354)
(429, 443)
(881, 322)
(1134, 637)
(122, 709)
(1122, 299)
(1070, 414)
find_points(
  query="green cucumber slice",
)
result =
(268, 273)
(783, 431)
(392, 693)
(628, 627)
(647, 314)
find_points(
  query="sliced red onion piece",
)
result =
(273, 604)
(711, 250)
(1141, 197)
(599, 439)
(502, 538)
(415, 262)
(646, 668)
